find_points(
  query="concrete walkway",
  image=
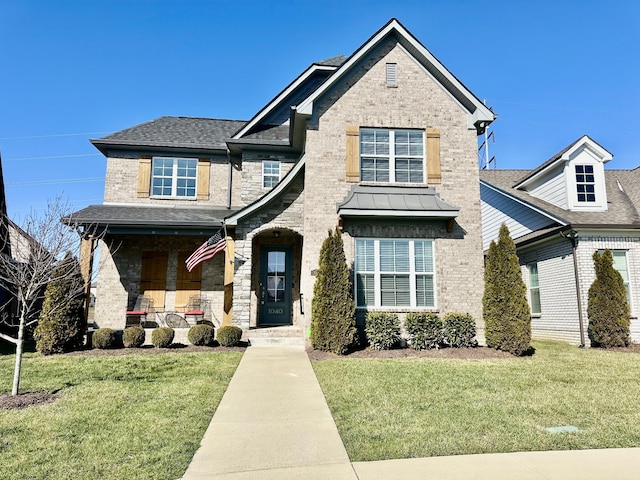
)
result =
(274, 423)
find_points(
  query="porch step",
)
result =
(287, 335)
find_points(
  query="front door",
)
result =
(275, 285)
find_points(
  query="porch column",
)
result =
(229, 253)
(87, 247)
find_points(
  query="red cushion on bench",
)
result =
(194, 312)
(136, 312)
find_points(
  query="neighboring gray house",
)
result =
(559, 214)
(382, 144)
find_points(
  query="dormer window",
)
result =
(585, 183)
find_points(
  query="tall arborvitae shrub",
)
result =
(507, 317)
(62, 326)
(333, 319)
(608, 308)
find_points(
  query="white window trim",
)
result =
(531, 288)
(392, 155)
(599, 185)
(174, 179)
(377, 275)
(264, 175)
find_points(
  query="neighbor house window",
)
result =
(174, 177)
(270, 173)
(534, 289)
(585, 183)
(394, 273)
(622, 267)
(392, 155)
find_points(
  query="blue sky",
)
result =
(74, 70)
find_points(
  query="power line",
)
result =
(52, 156)
(56, 182)
(52, 135)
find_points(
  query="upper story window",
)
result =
(394, 273)
(270, 173)
(585, 183)
(392, 155)
(534, 289)
(174, 177)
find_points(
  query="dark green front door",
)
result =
(275, 285)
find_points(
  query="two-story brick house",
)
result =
(382, 143)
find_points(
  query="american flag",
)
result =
(207, 250)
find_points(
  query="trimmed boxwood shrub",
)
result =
(459, 330)
(133, 337)
(382, 330)
(104, 338)
(424, 329)
(162, 337)
(229, 335)
(200, 335)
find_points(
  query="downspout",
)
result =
(573, 236)
(229, 182)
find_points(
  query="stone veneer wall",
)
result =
(283, 214)
(120, 267)
(417, 102)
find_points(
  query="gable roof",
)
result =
(187, 133)
(479, 115)
(562, 156)
(622, 208)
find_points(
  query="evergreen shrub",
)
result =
(608, 307)
(333, 314)
(459, 330)
(505, 308)
(133, 337)
(104, 338)
(382, 330)
(229, 335)
(201, 335)
(62, 326)
(424, 330)
(162, 337)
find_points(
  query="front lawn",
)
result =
(117, 417)
(417, 407)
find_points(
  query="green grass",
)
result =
(119, 417)
(405, 408)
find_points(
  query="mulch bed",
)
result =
(26, 399)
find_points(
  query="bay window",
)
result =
(394, 273)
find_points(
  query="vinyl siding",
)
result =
(498, 209)
(552, 188)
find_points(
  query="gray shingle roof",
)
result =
(622, 209)
(333, 61)
(113, 216)
(174, 132)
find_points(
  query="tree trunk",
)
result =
(18, 365)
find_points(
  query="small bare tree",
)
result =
(36, 249)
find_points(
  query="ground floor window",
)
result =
(394, 273)
(622, 267)
(534, 289)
